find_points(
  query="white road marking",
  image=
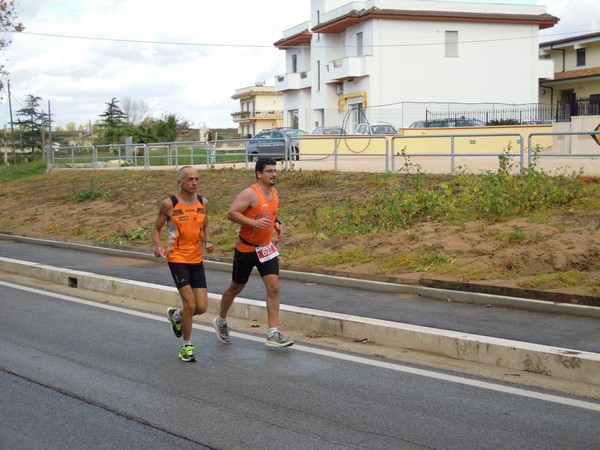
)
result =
(331, 354)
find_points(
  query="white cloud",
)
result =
(194, 56)
(576, 17)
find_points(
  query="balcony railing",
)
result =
(345, 68)
(293, 81)
(256, 115)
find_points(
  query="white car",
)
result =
(375, 128)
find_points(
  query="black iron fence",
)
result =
(589, 106)
(519, 115)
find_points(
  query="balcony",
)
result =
(249, 116)
(346, 68)
(546, 69)
(292, 81)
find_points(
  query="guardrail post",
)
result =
(94, 157)
(146, 157)
(387, 154)
(452, 155)
(522, 154)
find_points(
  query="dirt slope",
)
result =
(566, 240)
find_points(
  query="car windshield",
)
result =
(294, 133)
(382, 129)
(333, 131)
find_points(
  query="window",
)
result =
(359, 44)
(355, 113)
(581, 57)
(318, 76)
(451, 44)
(293, 118)
(294, 63)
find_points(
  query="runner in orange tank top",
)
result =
(186, 216)
(255, 209)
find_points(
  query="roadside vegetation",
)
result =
(376, 223)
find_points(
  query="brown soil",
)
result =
(565, 240)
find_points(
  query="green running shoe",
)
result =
(186, 354)
(175, 326)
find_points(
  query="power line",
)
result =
(199, 44)
(143, 41)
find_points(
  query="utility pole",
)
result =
(50, 154)
(12, 128)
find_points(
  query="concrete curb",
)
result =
(377, 286)
(551, 361)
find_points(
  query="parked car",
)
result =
(375, 128)
(329, 130)
(271, 144)
(447, 123)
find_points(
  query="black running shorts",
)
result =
(192, 274)
(243, 263)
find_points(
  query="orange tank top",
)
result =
(184, 229)
(251, 237)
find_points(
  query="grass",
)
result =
(126, 237)
(89, 192)
(21, 171)
(343, 257)
(425, 260)
(569, 278)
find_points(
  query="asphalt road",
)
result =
(86, 375)
(559, 330)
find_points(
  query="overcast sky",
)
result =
(185, 57)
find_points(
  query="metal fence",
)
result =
(441, 154)
(518, 114)
(159, 154)
(534, 115)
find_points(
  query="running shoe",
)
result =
(175, 326)
(186, 354)
(278, 340)
(222, 331)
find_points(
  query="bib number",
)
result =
(266, 252)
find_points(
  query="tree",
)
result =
(112, 121)
(136, 111)
(8, 23)
(32, 123)
(168, 127)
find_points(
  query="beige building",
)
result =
(575, 83)
(261, 108)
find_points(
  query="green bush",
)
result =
(89, 192)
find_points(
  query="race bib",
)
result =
(266, 252)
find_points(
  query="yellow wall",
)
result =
(424, 142)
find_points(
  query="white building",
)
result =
(385, 60)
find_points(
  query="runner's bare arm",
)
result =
(164, 212)
(205, 233)
(245, 200)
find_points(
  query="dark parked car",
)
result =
(447, 123)
(271, 144)
(329, 130)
